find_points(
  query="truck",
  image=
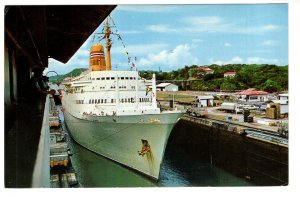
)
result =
(232, 107)
(197, 111)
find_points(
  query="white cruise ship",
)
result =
(113, 114)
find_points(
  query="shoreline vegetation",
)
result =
(266, 77)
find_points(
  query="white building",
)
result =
(169, 87)
(252, 95)
(229, 74)
(205, 101)
(284, 103)
(283, 96)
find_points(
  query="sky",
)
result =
(169, 37)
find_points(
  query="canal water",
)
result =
(178, 169)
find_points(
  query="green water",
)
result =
(178, 170)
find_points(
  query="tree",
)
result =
(271, 86)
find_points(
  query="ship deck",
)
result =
(21, 143)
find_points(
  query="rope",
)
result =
(123, 43)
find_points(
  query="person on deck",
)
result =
(39, 83)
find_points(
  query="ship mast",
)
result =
(108, 45)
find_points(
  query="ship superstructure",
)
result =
(114, 114)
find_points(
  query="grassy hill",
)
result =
(73, 73)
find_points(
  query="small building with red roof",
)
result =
(206, 70)
(229, 74)
(253, 95)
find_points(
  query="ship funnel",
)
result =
(97, 59)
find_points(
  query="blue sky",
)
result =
(172, 36)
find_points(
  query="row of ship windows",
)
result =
(126, 100)
(102, 87)
(113, 78)
(120, 87)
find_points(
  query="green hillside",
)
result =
(270, 78)
(73, 73)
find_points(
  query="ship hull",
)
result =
(122, 138)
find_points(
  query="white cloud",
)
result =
(197, 40)
(259, 60)
(201, 20)
(139, 49)
(61, 68)
(227, 44)
(234, 60)
(83, 52)
(248, 60)
(269, 27)
(129, 32)
(198, 24)
(161, 28)
(268, 43)
(180, 56)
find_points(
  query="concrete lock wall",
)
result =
(260, 162)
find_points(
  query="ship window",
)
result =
(122, 100)
(90, 101)
(112, 78)
(126, 78)
(122, 78)
(131, 100)
(140, 100)
(112, 100)
(93, 78)
(101, 100)
(107, 78)
(102, 78)
(98, 78)
(104, 100)
(131, 78)
(98, 100)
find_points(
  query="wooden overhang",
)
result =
(40, 32)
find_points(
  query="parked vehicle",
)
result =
(250, 107)
(231, 107)
(239, 109)
(197, 111)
